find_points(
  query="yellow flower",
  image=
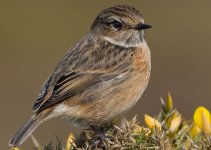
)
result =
(175, 123)
(194, 131)
(151, 122)
(70, 140)
(169, 103)
(15, 148)
(202, 119)
(170, 118)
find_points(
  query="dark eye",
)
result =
(116, 25)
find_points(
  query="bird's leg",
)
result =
(100, 132)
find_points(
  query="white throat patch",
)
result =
(123, 44)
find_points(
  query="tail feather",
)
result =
(26, 130)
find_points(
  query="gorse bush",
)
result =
(167, 131)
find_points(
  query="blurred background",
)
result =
(34, 36)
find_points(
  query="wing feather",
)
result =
(78, 85)
(81, 69)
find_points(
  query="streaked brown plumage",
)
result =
(101, 77)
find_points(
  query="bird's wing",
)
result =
(79, 71)
(75, 85)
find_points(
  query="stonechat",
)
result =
(100, 77)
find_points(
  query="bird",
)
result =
(100, 77)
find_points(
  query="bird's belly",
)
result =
(111, 102)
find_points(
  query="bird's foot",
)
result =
(100, 132)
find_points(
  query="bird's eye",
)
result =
(116, 25)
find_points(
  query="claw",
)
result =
(100, 133)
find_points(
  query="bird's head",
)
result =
(121, 25)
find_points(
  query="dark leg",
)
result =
(100, 133)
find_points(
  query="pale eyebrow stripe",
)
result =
(115, 18)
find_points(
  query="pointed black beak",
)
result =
(142, 26)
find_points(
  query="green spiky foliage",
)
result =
(174, 134)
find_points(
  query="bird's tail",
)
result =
(25, 131)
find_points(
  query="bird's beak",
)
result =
(142, 26)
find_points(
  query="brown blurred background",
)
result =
(34, 35)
